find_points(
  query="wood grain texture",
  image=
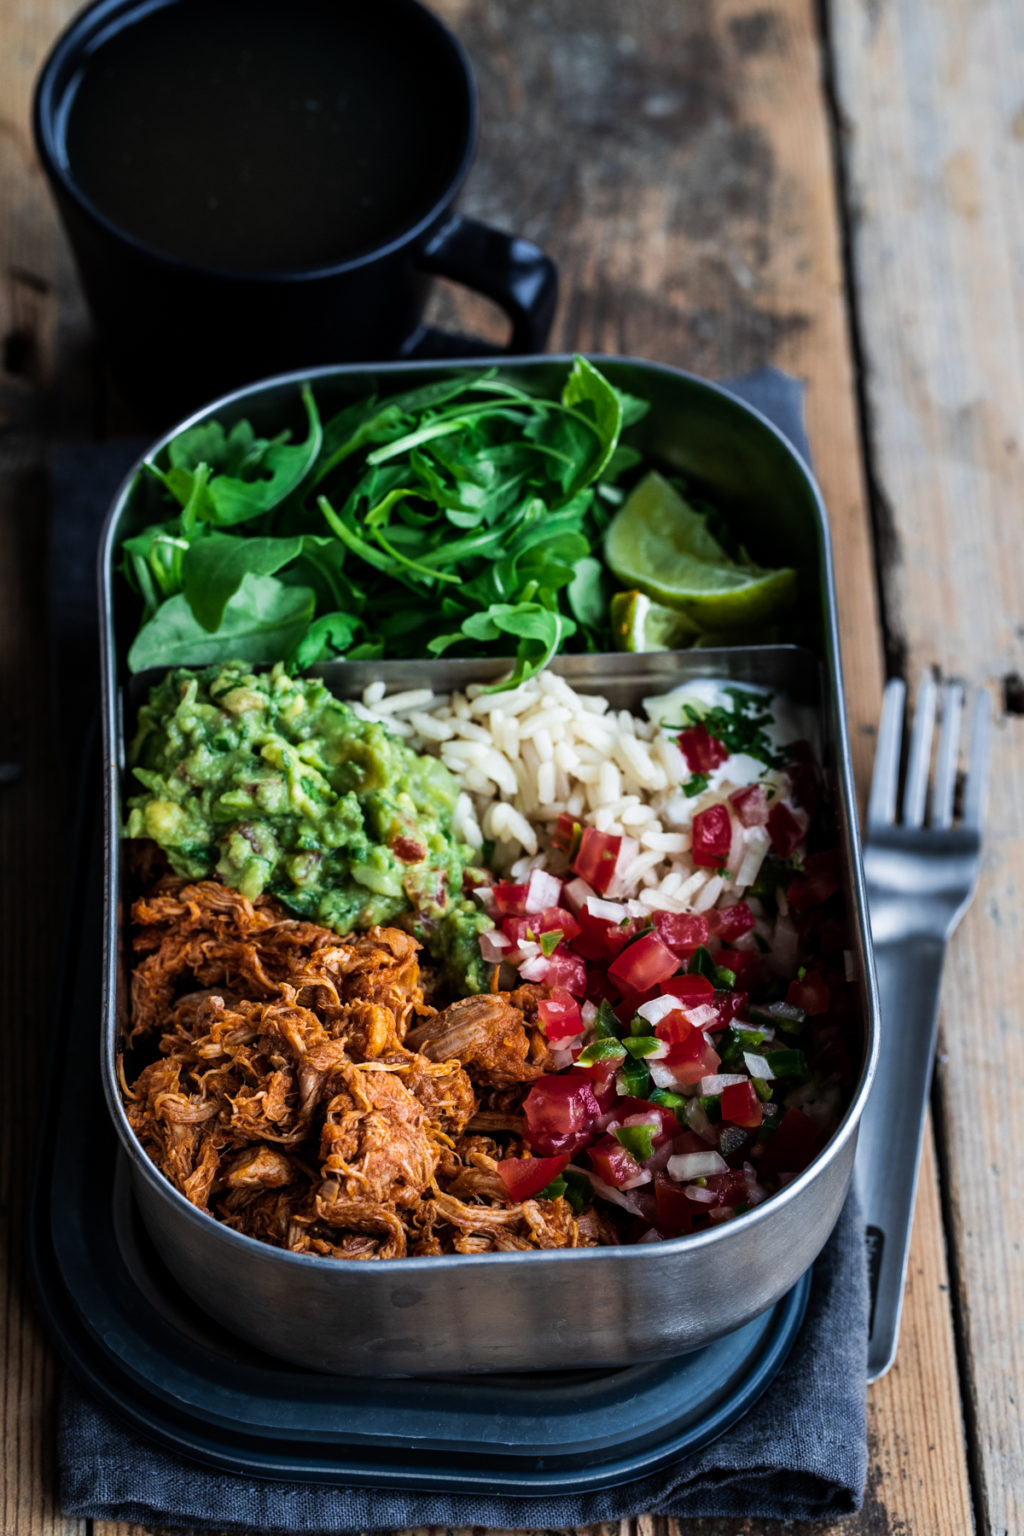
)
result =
(933, 99)
(676, 161)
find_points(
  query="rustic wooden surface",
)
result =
(699, 172)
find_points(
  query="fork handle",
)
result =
(891, 1131)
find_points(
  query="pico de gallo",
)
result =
(699, 1057)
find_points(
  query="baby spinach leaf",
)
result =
(262, 623)
(590, 391)
(214, 567)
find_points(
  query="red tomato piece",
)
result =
(703, 752)
(681, 931)
(792, 1146)
(741, 1105)
(785, 830)
(644, 964)
(561, 969)
(560, 1113)
(567, 833)
(621, 934)
(730, 923)
(612, 1163)
(692, 1059)
(674, 1211)
(525, 1177)
(750, 805)
(509, 900)
(688, 989)
(602, 1080)
(819, 881)
(809, 993)
(675, 1027)
(553, 918)
(744, 963)
(591, 940)
(712, 837)
(597, 857)
(729, 1188)
(730, 1006)
(560, 1015)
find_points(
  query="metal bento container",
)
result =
(537, 1310)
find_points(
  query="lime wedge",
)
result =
(659, 546)
(640, 625)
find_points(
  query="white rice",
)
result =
(524, 757)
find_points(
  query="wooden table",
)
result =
(834, 189)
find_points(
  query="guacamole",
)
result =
(273, 784)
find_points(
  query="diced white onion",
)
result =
(758, 1066)
(607, 911)
(657, 1009)
(716, 1081)
(543, 891)
(696, 1165)
(701, 1195)
(617, 1196)
(577, 893)
(493, 945)
(757, 842)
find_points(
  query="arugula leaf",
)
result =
(262, 623)
(214, 567)
(245, 476)
(585, 387)
(328, 636)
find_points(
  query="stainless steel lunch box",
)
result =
(557, 1309)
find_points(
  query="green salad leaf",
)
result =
(465, 515)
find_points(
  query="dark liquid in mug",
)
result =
(268, 134)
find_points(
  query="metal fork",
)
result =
(920, 880)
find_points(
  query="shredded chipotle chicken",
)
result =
(299, 1088)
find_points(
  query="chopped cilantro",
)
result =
(695, 785)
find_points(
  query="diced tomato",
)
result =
(597, 985)
(525, 1177)
(612, 1163)
(560, 1113)
(668, 1124)
(744, 963)
(566, 835)
(750, 805)
(602, 1079)
(553, 918)
(730, 923)
(692, 1059)
(643, 964)
(792, 1146)
(560, 1015)
(675, 1027)
(689, 989)
(804, 776)
(809, 993)
(597, 857)
(712, 837)
(819, 881)
(729, 1188)
(560, 969)
(741, 1105)
(703, 752)
(621, 934)
(681, 931)
(591, 940)
(689, 1141)
(730, 1005)
(509, 900)
(674, 1210)
(785, 830)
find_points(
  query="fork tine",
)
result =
(945, 763)
(919, 758)
(976, 786)
(885, 777)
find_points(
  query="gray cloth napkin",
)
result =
(800, 1453)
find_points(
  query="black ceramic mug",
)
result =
(250, 189)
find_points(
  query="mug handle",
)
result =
(514, 272)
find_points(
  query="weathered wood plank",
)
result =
(933, 100)
(38, 313)
(676, 160)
